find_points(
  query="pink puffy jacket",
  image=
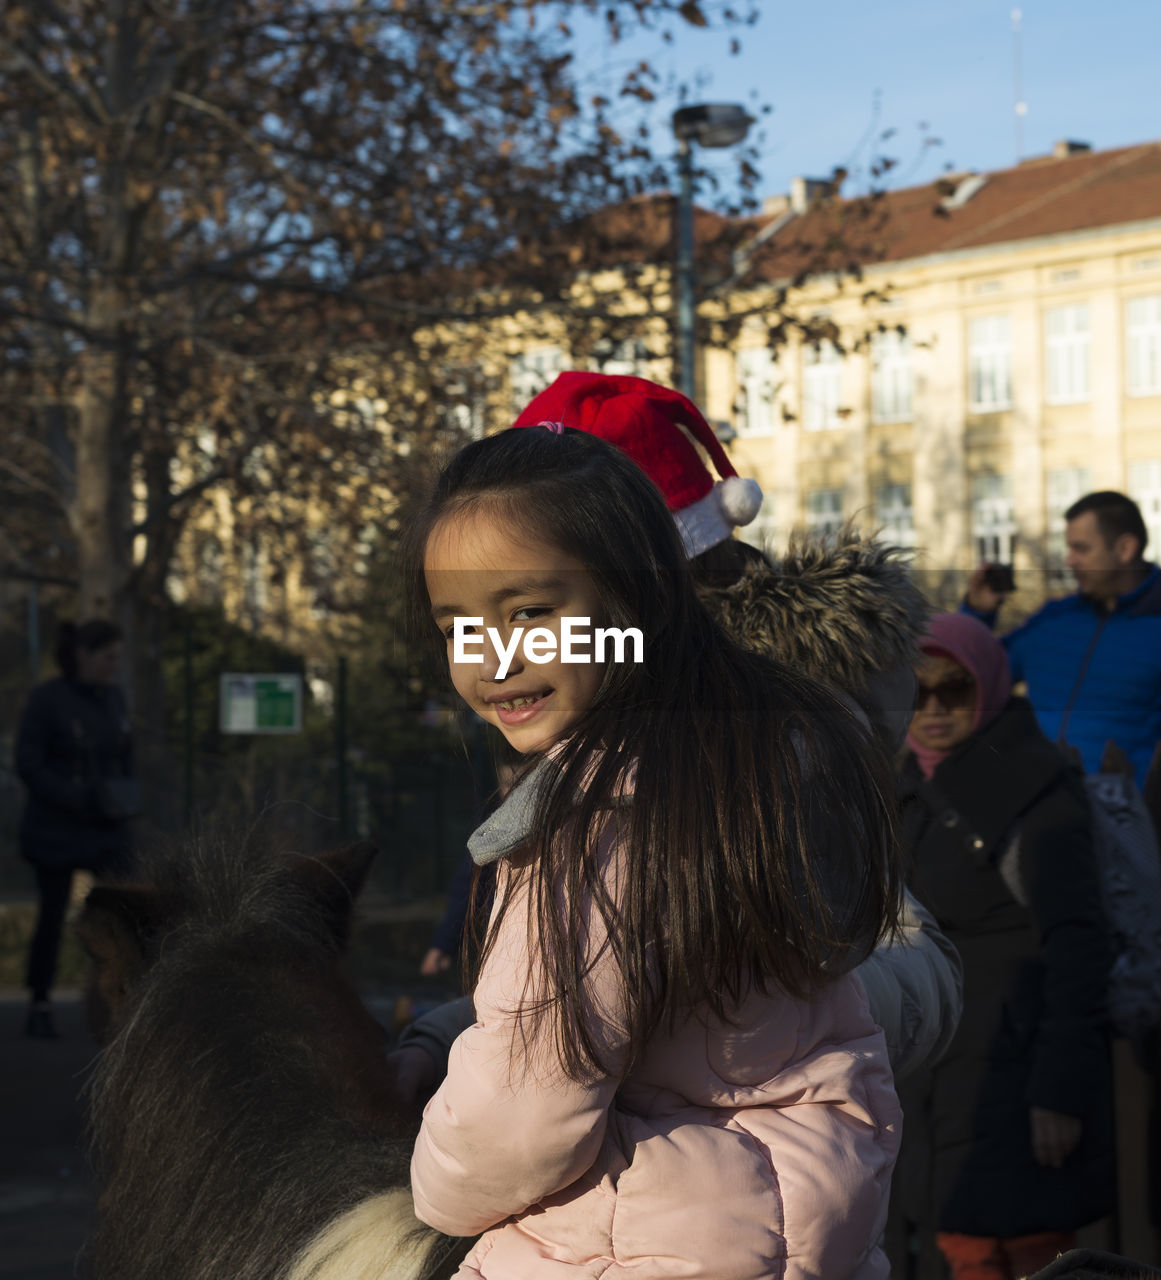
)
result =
(729, 1152)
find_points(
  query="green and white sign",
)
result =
(253, 703)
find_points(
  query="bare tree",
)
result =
(207, 205)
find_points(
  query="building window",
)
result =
(1145, 490)
(210, 568)
(321, 569)
(993, 519)
(1144, 343)
(821, 384)
(1063, 487)
(754, 407)
(255, 569)
(824, 511)
(465, 405)
(894, 515)
(761, 532)
(470, 417)
(628, 358)
(1066, 354)
(990, 364)
(891, 377)
(531, 371)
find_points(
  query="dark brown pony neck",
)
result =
(244, 1100)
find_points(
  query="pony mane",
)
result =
(220, 887)
(245, 1101)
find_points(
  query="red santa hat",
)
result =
(653, 425)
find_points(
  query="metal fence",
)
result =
(417, 794)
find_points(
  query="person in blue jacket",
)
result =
(1092, 661)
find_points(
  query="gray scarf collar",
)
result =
(508, 827)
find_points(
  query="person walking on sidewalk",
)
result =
(74, 754)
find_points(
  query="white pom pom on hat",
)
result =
(741, 499)
(713, 519)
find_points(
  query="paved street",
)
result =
(45, 1191)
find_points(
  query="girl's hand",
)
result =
(1054, 1136)
(434, 963)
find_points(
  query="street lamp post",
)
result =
(712, 124)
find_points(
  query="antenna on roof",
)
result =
(1021, 107)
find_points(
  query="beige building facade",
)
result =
(963, 412)
(999, 357)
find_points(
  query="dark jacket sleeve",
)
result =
(1011, 640)
(1059, 870)
(437, 1030)
(128, 760)
(33, 740)
(915, 989)
(987, 616)
(449, 932)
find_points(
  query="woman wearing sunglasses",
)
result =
(1008, 1140)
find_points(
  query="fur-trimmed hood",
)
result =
(843, 610)
(838, 609)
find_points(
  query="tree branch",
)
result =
(182, 497)
(34, 483)
(13, 574)
(228, 122)
(61, 91)
(219, 268)
(49, 319)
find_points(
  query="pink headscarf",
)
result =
(972, 645)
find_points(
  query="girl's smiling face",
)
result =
(478, 566)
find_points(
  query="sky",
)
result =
(837, 74)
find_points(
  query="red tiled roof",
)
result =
(1041, 197)
(1045, 196)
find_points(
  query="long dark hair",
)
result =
(758, 849)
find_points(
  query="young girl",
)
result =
(672, 1071)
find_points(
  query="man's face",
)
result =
(1097, 565)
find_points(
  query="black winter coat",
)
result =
(71, 735)
(1006, 816)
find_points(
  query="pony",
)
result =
(243, 1121)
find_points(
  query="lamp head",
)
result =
(712, 124)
